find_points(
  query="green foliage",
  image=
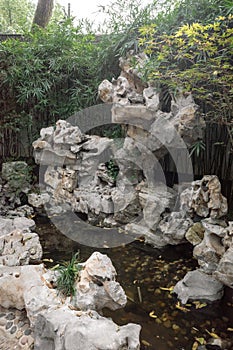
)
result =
(67, 275)
(119, 33)
(113, 169)
(114, 131)
(174, 14)
(196, 58)
(16, 15)
(50, 75)
(198, 147)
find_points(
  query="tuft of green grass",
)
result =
(68, 273)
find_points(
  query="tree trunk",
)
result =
(43, 13)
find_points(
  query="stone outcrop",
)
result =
(78, 172)
(204, 198)
(81, 176)
(63, 329)
(197, 285)
(59, 322)
(18, 245)
(96, 287)
(209, 236)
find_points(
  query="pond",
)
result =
(147, 275)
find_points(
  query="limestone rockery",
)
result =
(119, 182)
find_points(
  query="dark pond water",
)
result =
(143, 272)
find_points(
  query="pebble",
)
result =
(10, 316)
(9, 325)
(22, 317)
(13, 330)
(28, 331)
(24, 340)
(2, 322)
(21, 324)
(167, 324)
(19, 334)
(25, 327)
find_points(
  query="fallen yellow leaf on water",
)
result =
(152, 314)
(180, 307)
(230, 329)
(144, 342)
(212, 334)
(48, 260)
(199, 305)
(201, 340)
(195, 345)
(170, 289)
(55, 267)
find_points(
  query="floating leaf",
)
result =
(144, 342)
(170, 289)
(212, 334)
(152, 314)
(199, 305)
(55, 267)
(48, 260)
(201, 340)
(195, 345)
(180, 307)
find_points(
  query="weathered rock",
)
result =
(18, 223)
(136, 115)
(20, 248)
(196, 285)
(209, 252)
(155, 201)
(38, 200)
(6, 226)
(140, 230)
(174, 228)
(132, 73)
(96, 287)
(91, 200)
(21, 211)
(56, 323)
(204, 198)
(96, 150)
(63, 329)
(224, 271)
(25, 287)
(215, 226)
(105, 91)
(195, 233)
(11, 288)
(24, 224)
(46, 134)
(126, 205)
(228, 236)
(65, 133)
(151, 97)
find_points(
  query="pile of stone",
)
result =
(59, 322)
(211, 235)
(76, 177)
(54, 321)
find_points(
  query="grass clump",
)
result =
(67, 275)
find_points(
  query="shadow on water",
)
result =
(146, 274)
